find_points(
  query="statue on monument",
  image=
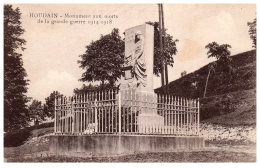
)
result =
(138, 61)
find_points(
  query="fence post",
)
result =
(72, 113)
(61, 115)
(55, 117)
(198, 116)
(119, 111)
(96, 118)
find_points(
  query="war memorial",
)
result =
(132, 118)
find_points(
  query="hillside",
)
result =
(231, 93)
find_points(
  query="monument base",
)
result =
(149, 120)
(122, 144)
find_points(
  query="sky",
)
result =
(52, 50)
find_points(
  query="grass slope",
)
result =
(231, 94)
(19, 137)
(230, 109)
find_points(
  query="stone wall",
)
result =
(120, 144)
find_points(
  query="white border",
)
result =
(182, 165)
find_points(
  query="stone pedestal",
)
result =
(148, 118)
(150, 123)
(145, 104)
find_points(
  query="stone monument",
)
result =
(138, 73)
(138, 111)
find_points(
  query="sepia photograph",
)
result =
(131, 83)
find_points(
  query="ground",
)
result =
(209, 154)
(223, 145)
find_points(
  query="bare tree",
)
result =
(212, 67)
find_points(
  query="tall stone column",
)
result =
(138, 74)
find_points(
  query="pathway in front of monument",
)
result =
(211, 153)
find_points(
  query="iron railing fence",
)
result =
(126, 112)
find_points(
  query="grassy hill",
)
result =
(231, 93)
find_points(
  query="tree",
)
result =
(183, 73)
(36, 112)
(103, 58)
(93, 88)
(48, 107)
(15, 85)
(252, 31)
(222, 53)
